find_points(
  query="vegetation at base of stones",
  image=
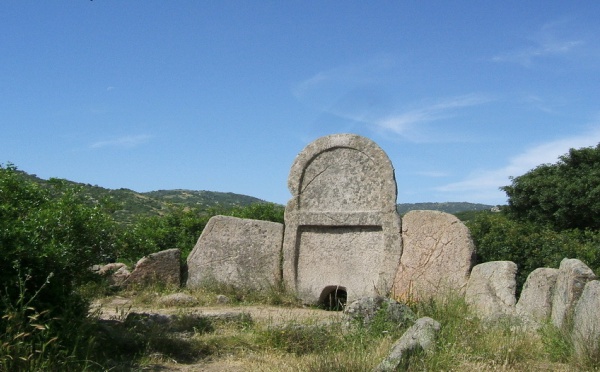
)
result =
(553, 213)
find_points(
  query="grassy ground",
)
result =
(314, 340)
(270, 331)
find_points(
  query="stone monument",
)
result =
(342, 236)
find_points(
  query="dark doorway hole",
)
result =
(333, 298)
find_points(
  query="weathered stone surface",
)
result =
(119, 277)
(421, 335)
(572, 277)
(162, 268)
(437, 256)
(491, 289)
(237, 251)
(365, 309)
(177, 299)
(535, 303)
(586, 321)
(342, 229)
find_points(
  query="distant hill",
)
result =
(130, 204)
(448, 207)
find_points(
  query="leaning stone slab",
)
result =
(535, 303)
(237, 251)
(420, 335)
(437, 256)
(342, 231)
(572, 277)
(586, 321)
(491, 289)
(162, 267)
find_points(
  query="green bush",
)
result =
(49, 232)
(49, 238)
(530, 245)
(565, 195)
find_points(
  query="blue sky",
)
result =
(222, 95)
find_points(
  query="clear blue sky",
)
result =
(222, 95)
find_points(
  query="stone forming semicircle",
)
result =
(341, 224)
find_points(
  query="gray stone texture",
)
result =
(535, 303)
(236, 251)
(162, 268)
(177, 300)
(491, 289)
(341, 225)
(572, 277)
(363, 311)
(437, 256)
(586, 321)
(421, 335)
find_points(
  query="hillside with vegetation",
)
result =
(128, 205)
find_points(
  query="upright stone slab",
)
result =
(535, 303)
(437, 256)
(342, 231)
(236, 251)
(491, 289)
(586, 321)
(572, 277)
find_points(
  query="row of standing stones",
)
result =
(232, 251)
(343, 240)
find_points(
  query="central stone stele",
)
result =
(342, 230)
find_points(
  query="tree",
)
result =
(564, 195)
(529, 245)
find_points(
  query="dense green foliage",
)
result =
(49, 238)
(49, 234)
(501, 238)
(565, 195)
(553, 213)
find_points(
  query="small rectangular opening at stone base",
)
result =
(333, 298)
(346, 256)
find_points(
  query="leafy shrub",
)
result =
(530, 245)
(49, 234)
(48, 238)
